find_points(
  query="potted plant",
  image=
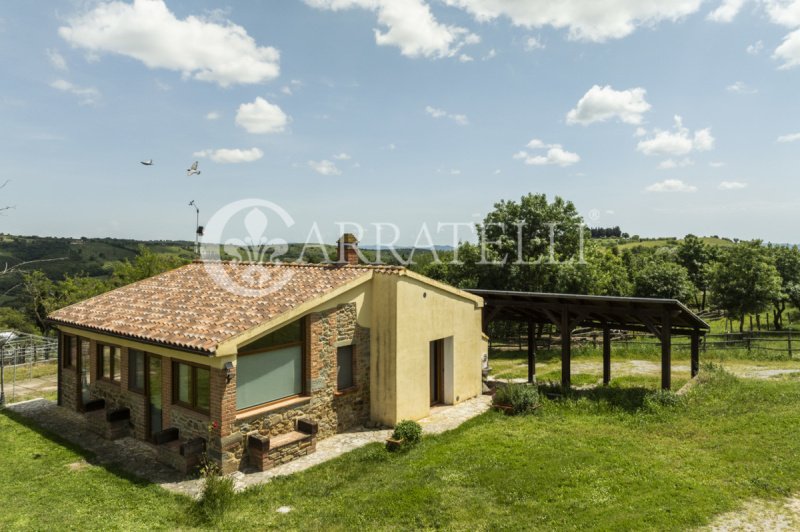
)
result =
(515, 398)
(406, 434)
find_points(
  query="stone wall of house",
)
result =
(333, 411)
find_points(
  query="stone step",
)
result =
(287, 439)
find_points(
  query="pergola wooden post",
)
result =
(695, 352)
(666, 351)
(606, 354)
(531, 351)
(566, 350)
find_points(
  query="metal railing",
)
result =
(28, 366)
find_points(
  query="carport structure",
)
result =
(660, 317)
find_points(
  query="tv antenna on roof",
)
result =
(198, 232)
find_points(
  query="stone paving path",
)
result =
(139, 458)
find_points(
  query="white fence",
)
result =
(28, 366)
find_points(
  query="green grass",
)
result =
(605, 458)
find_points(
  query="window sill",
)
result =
(346, 391)
(271, 407)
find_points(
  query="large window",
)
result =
(191, 386)
(344, 368)
(108, 362)
(271, 368)
(136, 370)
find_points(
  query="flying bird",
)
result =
(148, 162)
(192, 170)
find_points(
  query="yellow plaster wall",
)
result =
(425, 312)
(383, 343)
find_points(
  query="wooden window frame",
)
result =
(132, 374)
(192, 405)
(99, 359)
(354, 385)
(68, 341)
(304, 367)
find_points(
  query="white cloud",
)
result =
(792, 137)
(755, 48)
(56, 59)
(410, 26)
(435, 112)
(732, 185)
(789, 50)
(261, 117)
(586, 21)
(491, 54)
(671, 185)
(533, 43)
(226, 155)
(640, 132)
(496, 172)
(455, 171)
(740, 87)
(669, 164)
(198, 47)
(603, 103)
(716, 164)
(213, 115)
(324, 167)
(88, 95)
(555, 155)
(342, 156)
(677, 142)
(286, 90)
(464, 58)
(726, 11)
(160, 85)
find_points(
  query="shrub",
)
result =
(522, 398)
(662, 398)
(218, 493)
(409, 432)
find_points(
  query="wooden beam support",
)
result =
(566, 347)
(666, 352)
(695, 353)
(606, 355)
(531, 351)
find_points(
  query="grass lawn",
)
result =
(608, 458)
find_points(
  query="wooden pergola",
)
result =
(661, 317)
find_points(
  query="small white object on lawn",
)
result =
(284, 509)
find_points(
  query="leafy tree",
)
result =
(663, 279)
(145, 264)
(14, 320)
(787, 262)
(697, 256)
(745, 280)
(46, 296)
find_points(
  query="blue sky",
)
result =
(662, 117)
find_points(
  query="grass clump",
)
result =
(522, 398)
(408, 433)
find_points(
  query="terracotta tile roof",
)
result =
(200, 305)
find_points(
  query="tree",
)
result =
(787, 262)
(145, 264)
(745, 280)
(663, 279)
(696, 256)
(46, 296)
(14, 320)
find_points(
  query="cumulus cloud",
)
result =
(585, 21)
(324, 167)
(491, 54)
(213, 115)
(603, 103)
(342, 156)
(740, 87)
(235, 155)
(533, 43)
(56, 59)
(726, 11)
(789, 50)
(202, 48)
(554, 154)
(786, 13)
(409, 25)
(792, 137)
(87, 95)
(465, 58)
(671, 185)
(669, 164)
(679, 141)
(732, 185)
(435, 112)
(755, 48)
(261, 117)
